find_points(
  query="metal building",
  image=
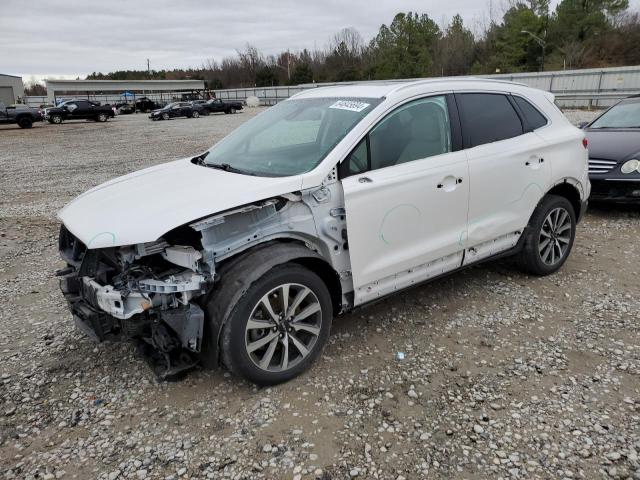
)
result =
(11, 89)
(79, 88)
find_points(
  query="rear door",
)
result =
(508, 172)
(406, 198)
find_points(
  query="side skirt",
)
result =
(440, 268)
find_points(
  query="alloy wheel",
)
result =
(555, 236)
(283, 327)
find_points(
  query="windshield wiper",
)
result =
(228, 168)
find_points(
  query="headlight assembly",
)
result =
(631, 166)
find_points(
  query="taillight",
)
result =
(585, 142)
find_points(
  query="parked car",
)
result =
(614, 152)
(79, 110)
(327, 201)
(124, 108)
(21, 115)
(177, 109)
(216, 105)
(144, 104)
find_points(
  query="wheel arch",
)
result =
(238, 273)
(570, 189)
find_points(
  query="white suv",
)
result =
(327, 201)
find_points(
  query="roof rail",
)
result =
(454, 79)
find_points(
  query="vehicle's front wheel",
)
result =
(549, 236)
(165, 116)
(25, 122)
(232, 110)
(195, 114)
(278, 327)
(102, 117)
(55, 119)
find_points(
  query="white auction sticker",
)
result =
(350, 105)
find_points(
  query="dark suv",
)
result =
(79, 110)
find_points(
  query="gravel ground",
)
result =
(503, 376)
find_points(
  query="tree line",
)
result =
(526, 36)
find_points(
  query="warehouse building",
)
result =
(11, 89)
(93, 88)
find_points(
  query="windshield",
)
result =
(290, 138)
(623, 115)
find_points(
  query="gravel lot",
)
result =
(504, 375)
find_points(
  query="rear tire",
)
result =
(103, 117)
(232, 110)
(25, 122)
(195, 115)
(549, 236)
(290, 339)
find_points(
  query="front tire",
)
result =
(195, 115)
(102, 117)
(165, 116)
(57, 119)
(278, 327)
(549, 236)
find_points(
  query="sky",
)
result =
(71, 38)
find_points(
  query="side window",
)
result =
(487, 118)
(357, 161)
(531, 114)
(414, 131)
(71, 106)
(417, 130)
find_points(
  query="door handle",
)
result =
(538, 161)
(365, 180)
(458, 181)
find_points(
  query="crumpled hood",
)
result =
(142, 206)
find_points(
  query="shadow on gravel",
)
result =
(608, 209)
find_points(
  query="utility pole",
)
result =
(148, 68)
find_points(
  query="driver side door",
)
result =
(406, 189)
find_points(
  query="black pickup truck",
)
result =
(79, 110)
(21, 115)
(217, 105)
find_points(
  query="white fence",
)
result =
(573, 88)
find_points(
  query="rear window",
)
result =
(532, 115)
(487, 118)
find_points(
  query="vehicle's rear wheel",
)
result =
(195, 114)
(232, 110)
(102, 117)
(165, 116)
(25, 122)
(549, 236)
(278, 327)
(55, 119)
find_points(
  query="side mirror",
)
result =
(582, 124)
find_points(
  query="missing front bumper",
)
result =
(171, 338)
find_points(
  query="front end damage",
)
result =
(154, 292)
(143, 292)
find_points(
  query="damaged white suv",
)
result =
(329, 200)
